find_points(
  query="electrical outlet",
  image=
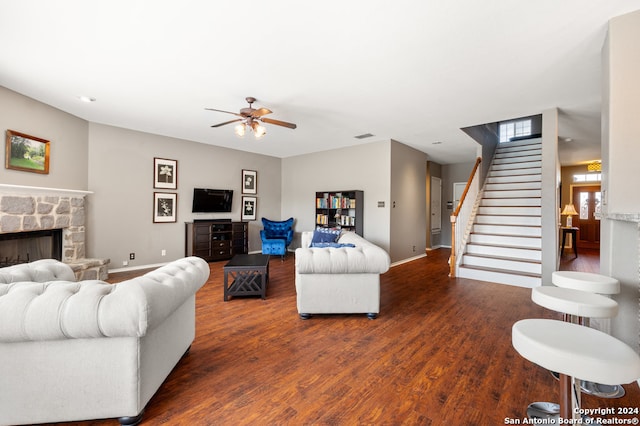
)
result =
(163, 253)
(132, 256)
(125, 263)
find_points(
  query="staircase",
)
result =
(505, 244)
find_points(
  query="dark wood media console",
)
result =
(215, 240)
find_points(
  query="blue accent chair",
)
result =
(276, 236)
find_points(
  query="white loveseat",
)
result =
(339, 280)
(90, 350)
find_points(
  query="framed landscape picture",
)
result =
(249, 182)
(165, 173)
(249, 205)
(27, 153)
(165, 205)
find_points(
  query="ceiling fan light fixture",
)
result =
(240, 129)
(259, 131)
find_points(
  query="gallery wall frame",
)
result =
(27, 153)
(249, 182)
(249, 207)
(165, 207)
(165, 173)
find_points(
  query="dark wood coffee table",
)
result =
(249, 275)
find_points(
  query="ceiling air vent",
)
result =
(364, 136)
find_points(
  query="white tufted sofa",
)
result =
(339, 280)
(90, 350)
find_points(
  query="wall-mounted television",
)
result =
(212, 200)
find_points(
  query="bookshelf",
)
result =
(340, 209)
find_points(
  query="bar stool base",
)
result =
(597, 389)
(602, 391)
(543, 410)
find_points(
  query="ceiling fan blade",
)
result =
(227, 112)
(260, 112)
(227, 122)
(279, 123)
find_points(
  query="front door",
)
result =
(588, 202)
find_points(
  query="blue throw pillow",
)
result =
(325, 235)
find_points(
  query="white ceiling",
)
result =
(416, 71)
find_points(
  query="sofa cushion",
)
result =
(61, 309)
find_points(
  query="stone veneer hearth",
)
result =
(24, 209)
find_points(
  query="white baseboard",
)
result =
(136, 268)
(400, 262)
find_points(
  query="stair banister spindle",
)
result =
(454, 219)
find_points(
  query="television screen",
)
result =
(212, 200)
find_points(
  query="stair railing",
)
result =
(460, 217)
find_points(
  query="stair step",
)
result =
(518, 159)
(490, 219)
(510, 186)
(513, 178)
(533, 150)
(529, 253)
(516, 201)
(514, 172)
(510, 211)
(502, 264)
(520, 193)
(530, 231)
(501, 277)
(515, 166)
(521, 144)
(517, 241)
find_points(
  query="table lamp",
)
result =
(569, 211)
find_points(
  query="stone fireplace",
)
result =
(28, 209)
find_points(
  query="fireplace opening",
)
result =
(23, 247)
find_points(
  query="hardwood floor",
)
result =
(439, 353)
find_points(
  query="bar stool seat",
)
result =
(559, 346)
(586, 281)
(574, 302)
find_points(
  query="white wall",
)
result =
(363, 167)
(120, 217)
(550, 193)
(620, 152)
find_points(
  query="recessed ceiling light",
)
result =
(87, 99)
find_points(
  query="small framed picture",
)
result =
(165, 173)
(249, 182)
(249, 205)
(165, 205)
(27, 153)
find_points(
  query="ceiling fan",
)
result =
(250, 118)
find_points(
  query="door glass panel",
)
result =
(596, 213)
(584, 205)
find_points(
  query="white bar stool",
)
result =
(559, 346)
(586, 281)
(593, 283)
(575, 305)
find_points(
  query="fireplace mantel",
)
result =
(39, 190)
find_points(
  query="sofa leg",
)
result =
(305, 316)
(372, 315)
(131, 421)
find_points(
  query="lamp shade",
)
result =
(570, 210)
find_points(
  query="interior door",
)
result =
(458, 189)
(588, 202)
